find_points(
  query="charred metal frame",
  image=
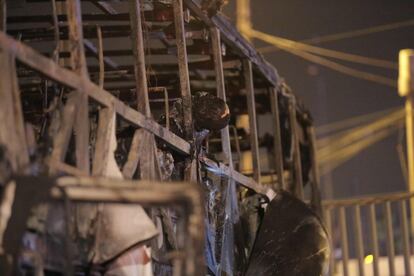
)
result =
(252, 67)
(187, 198)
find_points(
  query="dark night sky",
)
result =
(332, 96)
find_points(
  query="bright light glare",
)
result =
(369, 259)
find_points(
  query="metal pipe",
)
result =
(405, 237)
(298, 185)
(344, 240)
(221, 91)
(374, 239)
(137, 40)
(251, 109)
(390, 238)
(359, 242)
(101, 57)
(277, 140)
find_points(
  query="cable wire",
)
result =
(350, 122)
(294, 45)
(349, 34)
(326, 62)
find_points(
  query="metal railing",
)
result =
(370, 235)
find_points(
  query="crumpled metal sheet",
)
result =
(291, 241)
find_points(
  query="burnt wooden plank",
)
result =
(277, 140)
(139, 57)
(251, 109)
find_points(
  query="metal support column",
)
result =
(78, 63)
(277, 140)
(251, 109)
(139, 56)
(406, 89)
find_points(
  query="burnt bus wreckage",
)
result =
(119, 153)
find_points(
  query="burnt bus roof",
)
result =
(113, 17)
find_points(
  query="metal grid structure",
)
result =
(370, 235)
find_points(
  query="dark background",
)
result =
(332, 96)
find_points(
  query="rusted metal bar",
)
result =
(62, 138)
(316, 202)
(328, 222)
(92, 50)
(237, 143)
(55, 31)
(277, 140)
(12, 128)
(390, 238)
(139, 56)
(221, 91)
(344, 240)
(105, 7)
(405, 237)
(359, 241)
(251, 109)
(166, 102)
(183, 68)
(245, 181)
(78, 62)
(298, 182)
(374, 239)
(101, 58)
(103, 140)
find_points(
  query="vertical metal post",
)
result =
(405, 237)
(359, 242)
(298, 182)
(390, 238)
(328, 222)
(78, 62)
(277, 140)
(406, 89)
(374, 239)
(183, 68)
(251, 109)
(139, 56)
(316, 192)
(344, 240)
(101, 57)
(221, 90)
